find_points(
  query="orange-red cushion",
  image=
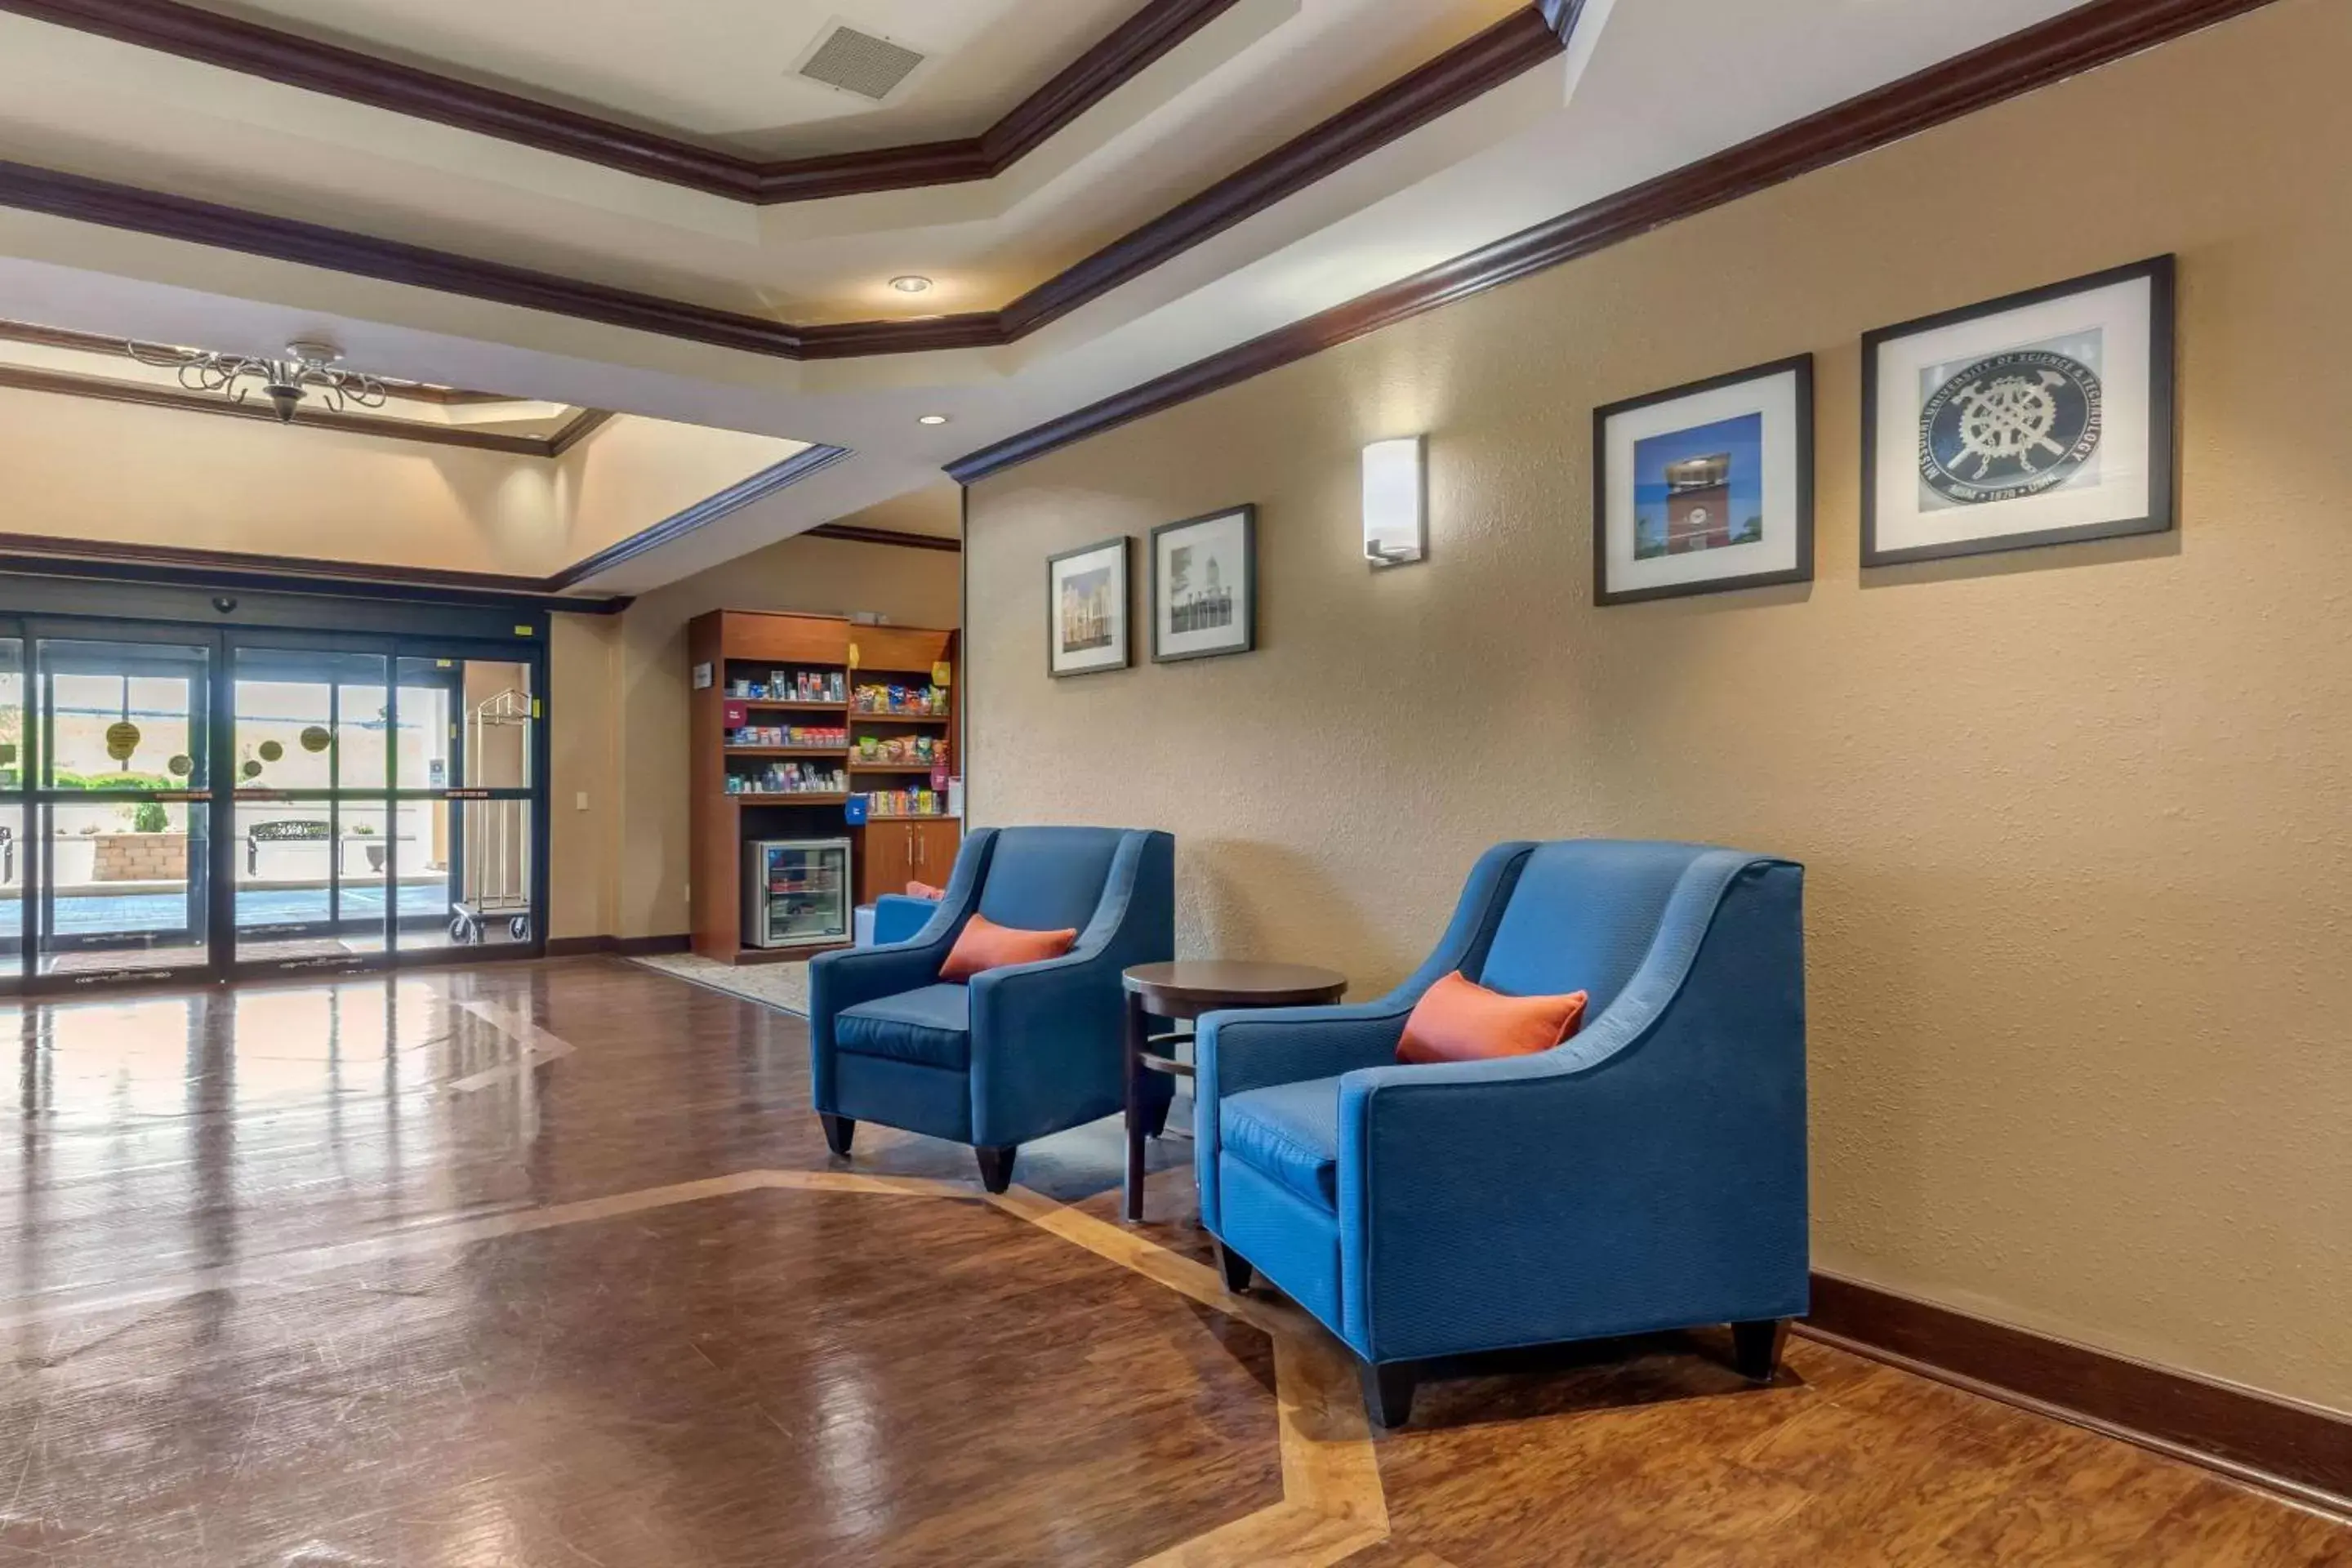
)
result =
(925, 890)
(985, 945)
(1458, 1020)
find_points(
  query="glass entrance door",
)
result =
(182, 800)
(383, 803)
(122, 806)
(311, 844)
(465, 788)
(16, 853)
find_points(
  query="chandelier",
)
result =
(308, 366)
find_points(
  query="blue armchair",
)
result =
(901, 917)
(1021, 1051)
(1648, 1175)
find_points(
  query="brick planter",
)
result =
(140, 857)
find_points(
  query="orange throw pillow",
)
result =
(925, 890)
(1458, 1020)
(985, 945)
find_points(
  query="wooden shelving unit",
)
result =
(885, 853)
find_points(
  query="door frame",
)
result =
(41, 802)
(453, 793)
(34, 610)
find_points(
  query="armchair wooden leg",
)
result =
(838, 1131)
(1387, 1391)
(1756, 1348)
(996, 1167)
(1235, 1268)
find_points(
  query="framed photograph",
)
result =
(2042, 418)
(1204, 586)
(1087, 609)
(1705, 488)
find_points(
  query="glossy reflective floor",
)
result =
(545, 1264)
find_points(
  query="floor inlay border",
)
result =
(1333, 1505)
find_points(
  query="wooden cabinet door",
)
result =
(886, 859)
(935, 845)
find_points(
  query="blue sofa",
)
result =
(1648, 1175)
(1021, 1051)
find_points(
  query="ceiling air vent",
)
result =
(860, 63)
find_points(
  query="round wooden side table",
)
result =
(1180, 992)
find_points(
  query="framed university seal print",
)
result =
(2042, 418)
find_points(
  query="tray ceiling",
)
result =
(722, 71)
(1645, 88)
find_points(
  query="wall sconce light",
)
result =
(1396, 510)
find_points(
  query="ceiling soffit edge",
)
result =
(2090, 36)
(251, 48)
(149, 395)
(1520, 41)
(43, 554)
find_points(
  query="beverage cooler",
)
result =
(796, 892)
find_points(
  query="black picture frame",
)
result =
(2163, 446)
(1247, 512)
(1125, 544)
(1801, 365)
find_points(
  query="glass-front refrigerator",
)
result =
(796, 892)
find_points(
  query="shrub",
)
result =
(115, 781)
(149, 816)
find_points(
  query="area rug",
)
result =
(784, 986)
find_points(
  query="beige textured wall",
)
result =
(2078, 823)
(79, 467)
(636, 765)
(584, 654)
(632, 472)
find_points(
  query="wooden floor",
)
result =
(546, 1265)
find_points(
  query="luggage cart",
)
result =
(496, 876)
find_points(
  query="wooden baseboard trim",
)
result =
(2301, 1451)
(616, 946)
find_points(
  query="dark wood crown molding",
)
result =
(2087, 37)
(112, 206)
(1463, 74)
(2080, 39)
(183, 401)
(2300, 1449)
(853, 533)
(46, 556)
(232, 44)
(1521, 40)
(41, 555)
(1561, 15)
(800, 465)
(97, 344)
(581, 425)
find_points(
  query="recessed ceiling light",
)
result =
(932, 419)
(911, 283)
